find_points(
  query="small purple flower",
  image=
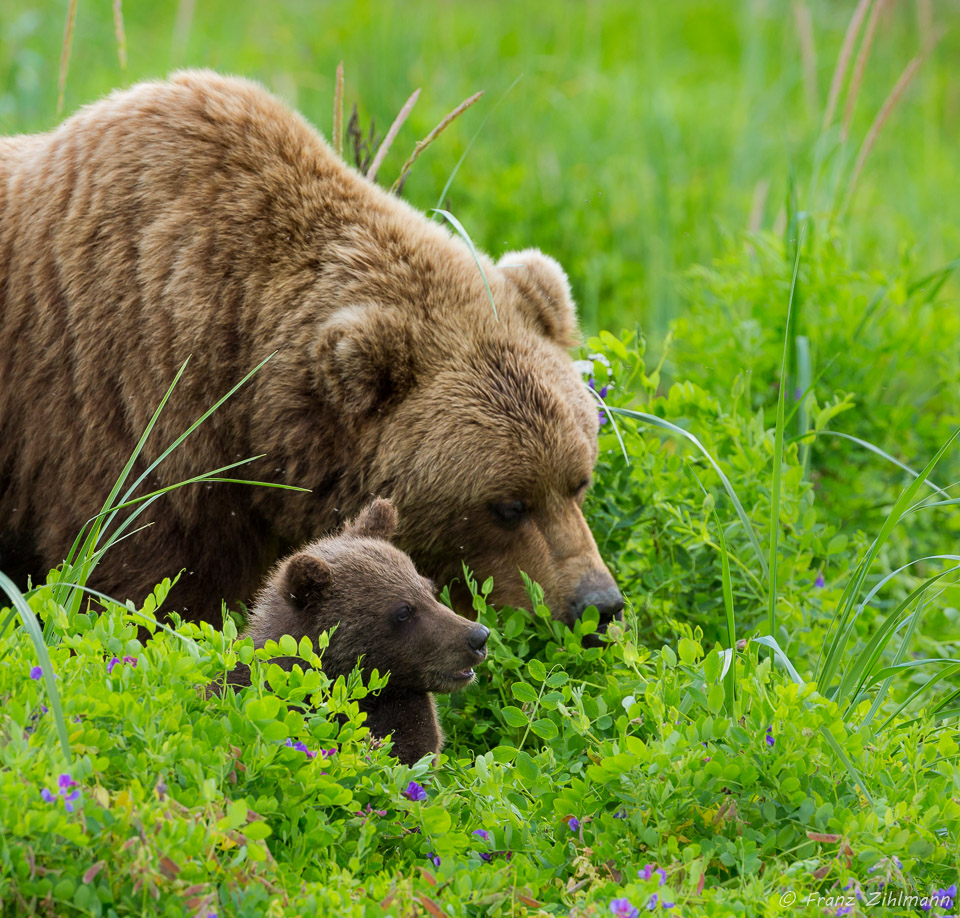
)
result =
(797, 394)
(623, 908)
(130, 661)
(326, 753)
(819, 582)
(65, 782)
(620, 814)
(667, 905)
(414, 792)
(647, 871)
(603, 417)
(943, 898)
(768, 739)
(433, 858)
(844, 910)
(300, 746)
(36, 673)
(652, 904)
(113, 662)
(483, 833)
(660, 872)
(574, 824)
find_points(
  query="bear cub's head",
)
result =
(385, 612)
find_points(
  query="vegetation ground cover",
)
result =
(774, 729)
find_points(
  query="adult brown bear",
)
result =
(201, 218)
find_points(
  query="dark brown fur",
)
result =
(361, 584)
(201, 218)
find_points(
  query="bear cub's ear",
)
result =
(365, 358)
(544, 294)
(376, 521)
(306, 577)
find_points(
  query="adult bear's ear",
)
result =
(543, 294)
(306, 577)
(366, 357)
(376, 521)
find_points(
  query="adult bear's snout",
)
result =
(598, 590)
(477, 639)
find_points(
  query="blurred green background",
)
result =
(639, 139)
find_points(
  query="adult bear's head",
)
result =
(477, 426)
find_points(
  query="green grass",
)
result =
(778, 715)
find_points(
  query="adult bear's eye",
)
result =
(402, 613)
(509, 513)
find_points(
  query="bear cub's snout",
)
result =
(386, 616)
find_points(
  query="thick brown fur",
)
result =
(384, 612)
(199, 217)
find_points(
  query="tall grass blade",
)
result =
(663, 424)
(778, 449)
(119, 33)
(461, 231)
(32, 626)
(463, 156)
(65, 53)
(841, 625)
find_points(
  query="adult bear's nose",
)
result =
(600, 591)
(477, 639)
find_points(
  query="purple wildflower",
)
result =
(64, 783)
(603, 418)
(647, 871)
(844, 910)
(36, 672)
(433, 858)
(660, 872)
(414, 792)
(130, 661)
(326, 753)
(623, 908)
(667, 905)
(574, 824)
(113, 662)
(943, 898)
(620, 814)
(483, 833)
(819, 582)
(300, 746)
(652, 904)
(768, 739)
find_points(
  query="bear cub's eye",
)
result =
(510, 512)
(402, 613)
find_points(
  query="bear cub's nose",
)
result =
(477, 639)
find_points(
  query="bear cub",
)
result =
(386, 613)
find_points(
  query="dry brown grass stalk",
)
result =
(119, 32)
(181, 27)
(338, 112)
(860, 66)
(885, 111)
(843, 60)
(65, 53)
(431, 137)
(402, 116)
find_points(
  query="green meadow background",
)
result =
(640, 137)
(761, 223)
